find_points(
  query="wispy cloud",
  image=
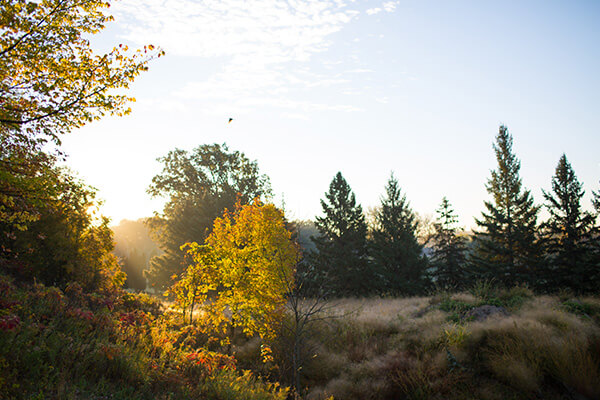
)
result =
(387, 6)
(390, 6)
(262, 46)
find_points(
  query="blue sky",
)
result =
(362, 87)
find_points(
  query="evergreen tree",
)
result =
(506, 248)
(596, 201)
(341, 260)
(449, 250)
(397, 255)
(568, 233)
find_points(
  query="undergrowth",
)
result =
(71, 344)
(75, 345)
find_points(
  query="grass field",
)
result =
(429, 348)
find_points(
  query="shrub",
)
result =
(581, 308)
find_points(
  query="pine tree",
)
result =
(341, 259)
(568, 233)
(449, 250)
(397, 255)
(506, 248)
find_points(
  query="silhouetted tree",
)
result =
(596, 201)
(506, 247)
(397, 255)
(568, 234)
(340, 261)
(449, 250)
(200, 184)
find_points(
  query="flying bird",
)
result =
(230, 119)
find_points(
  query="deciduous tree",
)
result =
(199, 184)
(247, 262)
(51, 81)
(65, 242)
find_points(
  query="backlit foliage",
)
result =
(239, 275)
(51, 79)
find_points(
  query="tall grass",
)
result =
(415, 349)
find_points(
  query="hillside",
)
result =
(111, 344)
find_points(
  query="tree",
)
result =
(26, 183)
(397, 255)
(596, 201)
(449, 250)
(65, 243)
(568, 233)
(50, 83)
(200, 185)
(50, 79)
(506, 248)
(341, 259)
(246, 262)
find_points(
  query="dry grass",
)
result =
(376, 310)
(408, 348)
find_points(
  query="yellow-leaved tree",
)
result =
(51, 80)
(241, 275)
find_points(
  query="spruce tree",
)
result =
(568, 233)
(340, 258)
(449, 250)
(396, 253)
(506, 248)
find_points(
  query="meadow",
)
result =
(119, 345)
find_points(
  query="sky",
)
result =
(371, 87)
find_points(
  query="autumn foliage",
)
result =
(241, 273)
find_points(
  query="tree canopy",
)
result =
(200, 185)
(246, 263)
(65, 242)
(51, 81)
(568, 233)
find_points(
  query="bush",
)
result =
(72, 344)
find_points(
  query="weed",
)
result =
(454, 335)
(484, 289)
